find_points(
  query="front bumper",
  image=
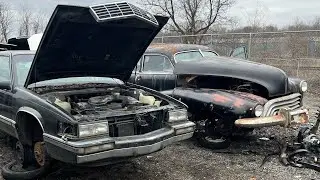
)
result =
(284, 118)
(116, 148)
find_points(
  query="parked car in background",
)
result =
(224, 94)
(70, 99)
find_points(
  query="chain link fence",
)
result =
(296, 52)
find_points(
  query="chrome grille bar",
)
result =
(290, 102)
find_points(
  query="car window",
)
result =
(209, 54)
(22, 63)
(4, 68)
(239, 52)
(137, 68)
(157, 63)
(188, 56)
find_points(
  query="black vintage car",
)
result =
(224, 94)
(70, 100)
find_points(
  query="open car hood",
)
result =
(103, 41)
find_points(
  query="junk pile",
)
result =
(305, 153)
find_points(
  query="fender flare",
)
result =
(33, 113)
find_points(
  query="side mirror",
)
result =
(5, 85)
(240, 52)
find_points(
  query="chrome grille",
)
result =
(289, 102)
(121, 10)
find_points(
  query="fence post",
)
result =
(162, 39)
(298, 67)
(211, 36)
(249, 45)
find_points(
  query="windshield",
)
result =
(193, 55)
(23, 63)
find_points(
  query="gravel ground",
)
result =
(186, 160)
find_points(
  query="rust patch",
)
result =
(251, 96)
(166, 47)
(220, 98)
(304, 118)
(278, 117)
(238, 102)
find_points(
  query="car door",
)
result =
(6, 109)
(156, 72)
(240, 52)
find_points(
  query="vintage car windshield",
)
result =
(23, 63)
(193, 55)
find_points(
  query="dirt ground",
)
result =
(186, 160)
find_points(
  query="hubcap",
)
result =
(39, 153)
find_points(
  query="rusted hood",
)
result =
(235, 102)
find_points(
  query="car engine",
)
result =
(129, 111)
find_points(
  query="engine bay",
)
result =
(97, 104)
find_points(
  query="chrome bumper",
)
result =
(108, 148)
(284, 118)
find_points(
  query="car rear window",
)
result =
(188, 56)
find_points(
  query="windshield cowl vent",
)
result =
(121, 10)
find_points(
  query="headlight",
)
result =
(258, 110)
(86, 130)
(303, 86)
(178, 115)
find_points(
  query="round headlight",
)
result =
(303, 86)
(258, 110)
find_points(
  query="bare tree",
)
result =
(38, 22)
(257, 19)
(6, 20)
(190, 17)
(25, 22)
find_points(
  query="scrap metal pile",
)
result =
(305, 153)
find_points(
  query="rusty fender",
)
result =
(283, 118)
(221, 101)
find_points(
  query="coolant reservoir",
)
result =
(64, 105)
(147, 99)
(157, 103)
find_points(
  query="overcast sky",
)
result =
(278, 12)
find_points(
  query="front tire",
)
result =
(213, 134)
(214, 143)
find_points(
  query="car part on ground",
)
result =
(305, 153)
